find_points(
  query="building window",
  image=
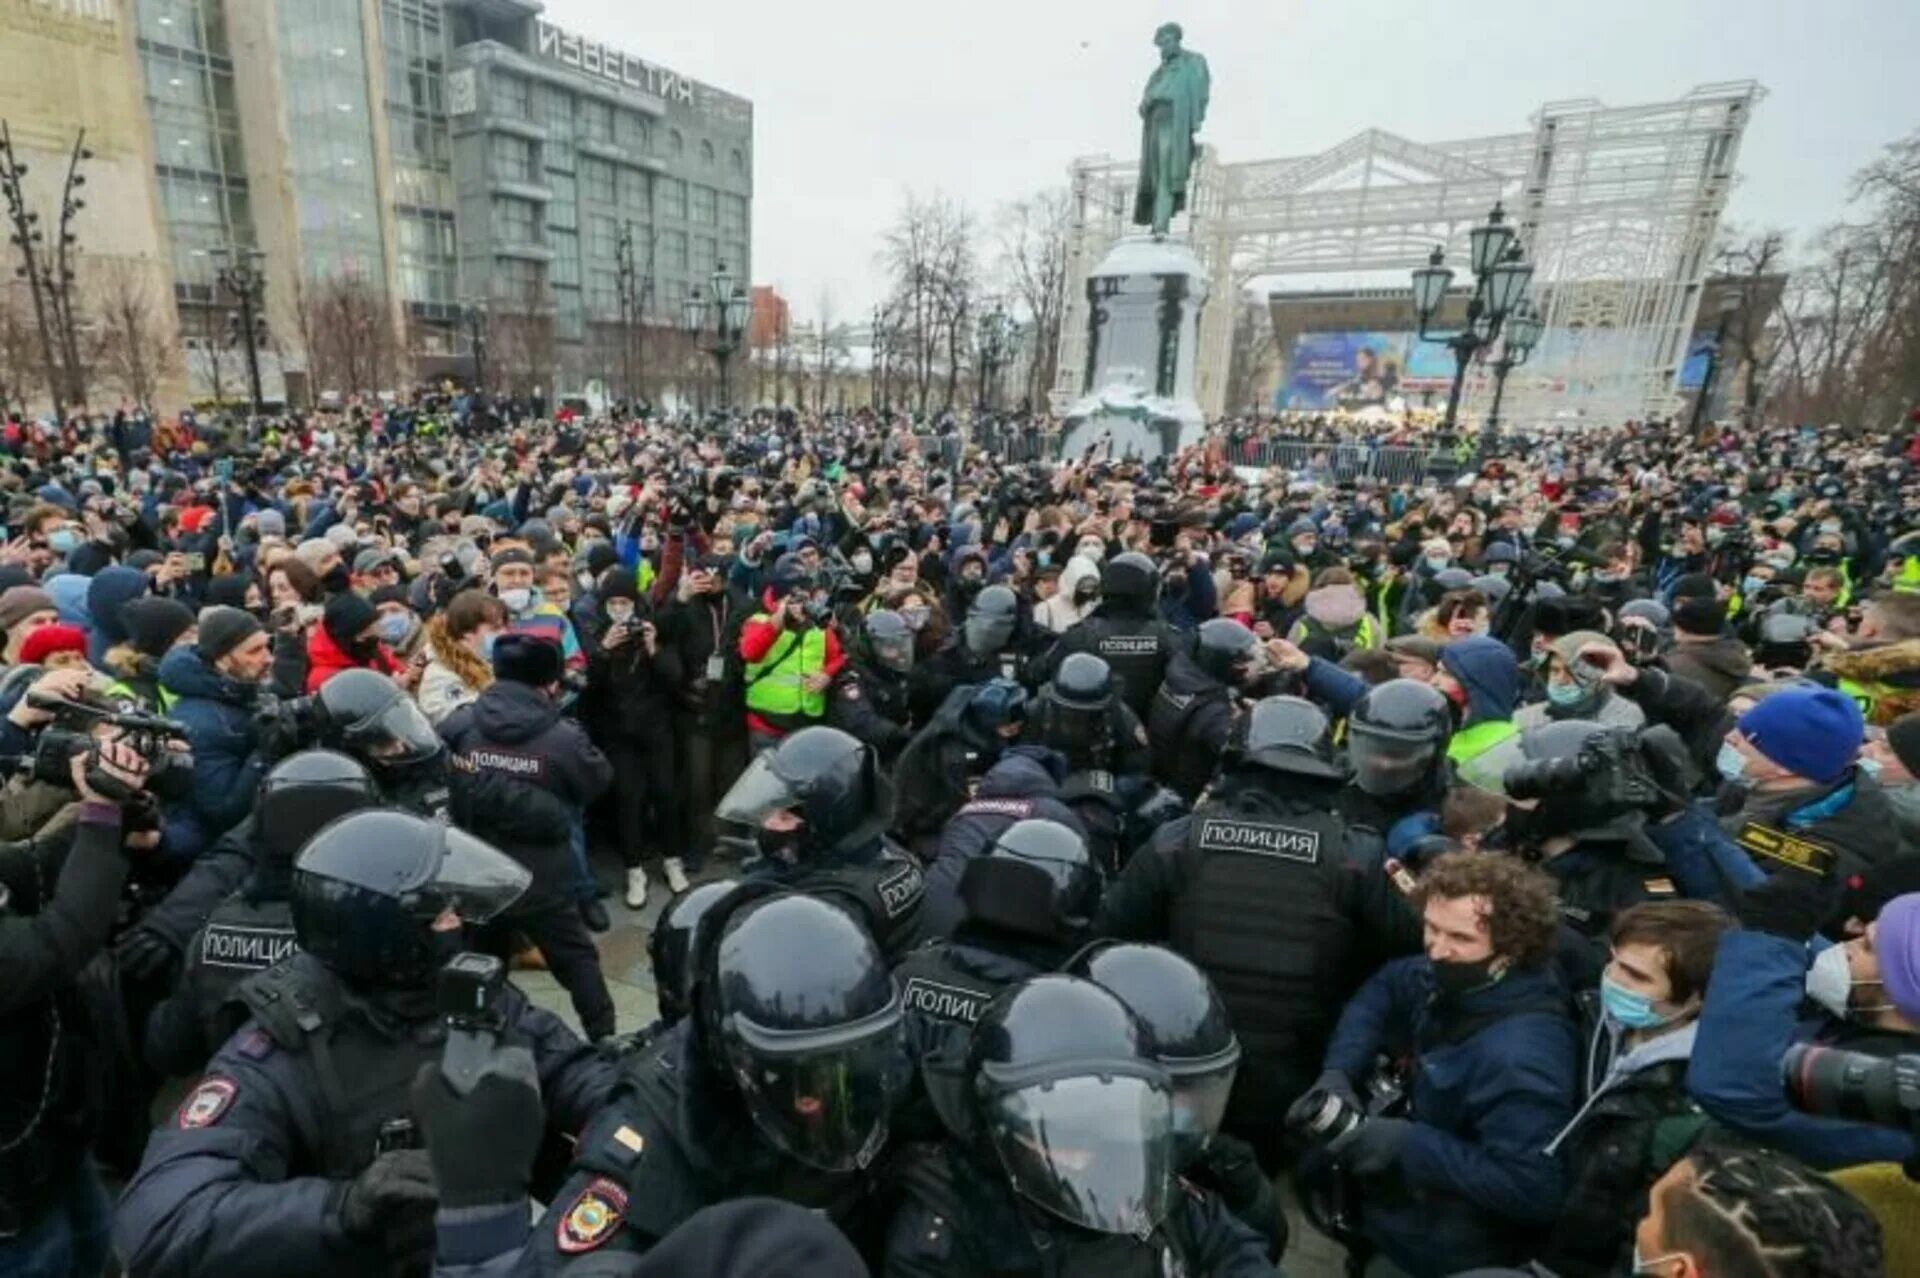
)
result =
(566, 257)
(736, 160)
(706, 155)
(673, 251)
(733, 215)
(700, 205)
(672, 194)
(559, 113)
(516, 280)
(513, 220)
(633, 194)
(512, 158)
(676, 145)
(596, 120)
(603, 238)
(562, 211)
(736, 257)
(513, 96)
(633, 131)
(599, 180)
(704, 256)
(603, 294)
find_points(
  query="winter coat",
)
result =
(1059, 613)
(1720, 666)
(1473, 1176)
(1018, 787)
(227, 762)
(326, 658)
(442, 692)
(1885, 677)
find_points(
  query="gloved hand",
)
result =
(391, 1205)
(1373, 1147)
(144, 955)
(1672, 769)
(1230, 1169)
(1303, 1111)
(1792, 904)
(483, 1144)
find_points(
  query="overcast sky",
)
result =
(858, 101)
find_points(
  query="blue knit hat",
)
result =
(1811, 732)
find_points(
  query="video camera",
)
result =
(1617, 770)
(169, 771)
(1854, 1086)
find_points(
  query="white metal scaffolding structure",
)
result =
(1617, 207)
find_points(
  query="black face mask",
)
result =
(339, 579)
(782, 846)
(1455, 978)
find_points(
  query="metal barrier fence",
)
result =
(1314, 459)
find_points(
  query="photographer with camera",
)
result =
(791, 653)
(54, 920)
(632, 679)
(1464, 1178)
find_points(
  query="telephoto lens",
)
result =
(1544, 778)
(1854, 1086)
(1332, 1117)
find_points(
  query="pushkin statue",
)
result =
(1172, 110)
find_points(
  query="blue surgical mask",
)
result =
(1566, 694)
(394, 627)
(619, 616)
(486, 646)
(1871, 766)
(1438, 562)
(1627, 1009)
(1752, 585)
(1730, 763)
(63, 541)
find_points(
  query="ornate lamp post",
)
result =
(473, 312)
(1523, 331)
(726, 305)
(238, 272)
(635, 280)
(996, 345)
(1501, 275)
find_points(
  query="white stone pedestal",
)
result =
(1143, 330)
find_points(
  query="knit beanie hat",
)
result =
(1812, 732)
(1896, 944)
(154, 623)
(1903, 738)
(270, 523)
(346, 615)
(224, 629)
(1698, 616)
(43, 641)
(21, 602)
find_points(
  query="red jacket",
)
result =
(325, 659)
(757, 637)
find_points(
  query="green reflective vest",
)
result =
(773, 682)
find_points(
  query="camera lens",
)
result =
(1333, 1118)
(1850, 1085)
(1544, 777)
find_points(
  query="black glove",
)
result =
(483, 1144)
(1332, 1083)
(1792, 904)
(1670, 766)
(1230, 1169)
(391, 1205)
(144, 955)
(1373, 1147)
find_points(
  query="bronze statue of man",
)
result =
(1171, 111)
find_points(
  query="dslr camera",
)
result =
(1610, 774)
(1833, 1083)
(169, 771)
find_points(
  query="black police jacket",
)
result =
(522, 773)
(1136, 648)
(245, 934)
(673, 1138)
(878, 880)
(1020, 787)
(961, 1219)
(871, 704)
(955, 665)
(1187, 726)
(245, 1178)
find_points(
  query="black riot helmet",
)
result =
(797, 1005)
(670, 948)
(991, 619)
(1073, 715)
(1193, 1037)
(1397, 735)
(890, 640)
(1084, 682)
(1130, 581)
(1066, 1090)
(369, 716)
(368, 890)
(824, 776)
(301, 795)
(1037, 880)
(1226, 650)
(1283, 734)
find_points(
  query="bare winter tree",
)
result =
(1251, 358)
(348, 333)
(829, 348)
(521, 340)
(1753, 337)
(21, 365)
(930, 257)
(1033, 259)
(136, 336)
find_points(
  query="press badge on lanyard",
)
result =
(716, 668)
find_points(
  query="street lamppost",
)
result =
(1501, 275)
(1523, 331)
(877, 374)
(1729, 307)
(726, 302)
(238, 272)
(996, 344)
(49, 272)
(473, 313)
(634, 280)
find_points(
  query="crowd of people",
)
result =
(1070, 866)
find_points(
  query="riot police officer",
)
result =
(988, 646)
(1079, 714)
(1062, 1161)
(1024, 905)
(947, 761)
(1125, 631)
(819, 809)
(1256, 887)
(1397, 747)
(253, 929)
(297, 1148)
(1194, 706)
(1193, 1040)
(781, 1082)
(869, 697)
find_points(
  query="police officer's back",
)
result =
(1061, 1161)
(1023, 785)
(1256, 888)
(1080, 714)
(780, 1082)
(1125, 631)
(989, 645)
(870, 696)
(819, 808)
(1194, 706)
(253, 929)
(294, 1152)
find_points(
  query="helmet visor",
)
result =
(1096, 1151)
(988, 634)
(823, 1097)
(399, 734)
(476, 880)
(1388, 763)
(1200, 1092)
(758, 794)
(895, 652)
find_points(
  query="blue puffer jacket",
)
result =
(1474, 1174)
(227, 763)
(1020, 787)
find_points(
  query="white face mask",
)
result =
(1830, 984)
(1646, 1266)
(516, 599)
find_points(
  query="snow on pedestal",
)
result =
(1143, 332)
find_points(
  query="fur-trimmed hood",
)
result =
(1894, 669)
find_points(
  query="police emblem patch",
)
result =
(206, 1104)
(595, 1214)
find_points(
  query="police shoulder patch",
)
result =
(901, 890)
(592, 1219)
(207, 1103)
